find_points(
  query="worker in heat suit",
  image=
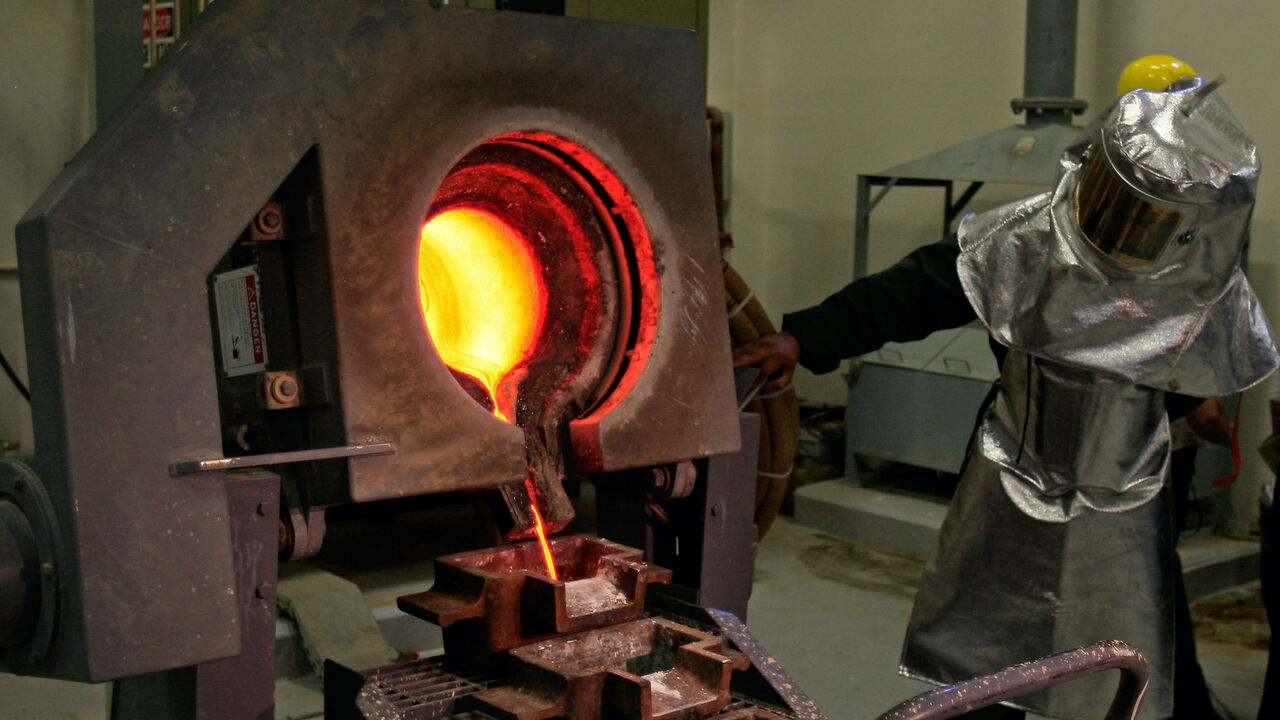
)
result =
(1114, 300)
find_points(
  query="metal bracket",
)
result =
(1075, 106)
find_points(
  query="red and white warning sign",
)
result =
(240, 327)
(164, 22)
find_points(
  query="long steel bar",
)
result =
(186, 467)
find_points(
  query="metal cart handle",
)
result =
(1029, 677)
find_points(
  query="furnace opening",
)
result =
(529, 278)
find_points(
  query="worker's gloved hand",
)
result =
(776, 354)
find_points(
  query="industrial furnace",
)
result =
(338, 251)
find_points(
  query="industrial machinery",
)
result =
(339, 251)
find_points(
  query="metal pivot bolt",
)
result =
(675, 481)
(269, 222)
(284, 389)
(280, 389)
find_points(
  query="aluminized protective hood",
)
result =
(1189, 323)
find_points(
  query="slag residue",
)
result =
(592, 595)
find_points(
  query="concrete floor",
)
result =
(832, 611)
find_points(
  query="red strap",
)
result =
(1226, 480)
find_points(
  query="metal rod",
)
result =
(880, 195)
(1019, 680)
(187, 467)
(1203, 93)
(955, 209)
(950, 189)
(862, 227)
(151, 32)
(800, 705)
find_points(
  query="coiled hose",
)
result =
(779, 412)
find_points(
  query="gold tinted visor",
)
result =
(1126, 226)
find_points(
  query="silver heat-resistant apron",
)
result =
(1059, 534)
(1030, 561)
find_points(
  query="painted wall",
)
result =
(46, 91)
(821, 90)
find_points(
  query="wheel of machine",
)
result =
(28, 518)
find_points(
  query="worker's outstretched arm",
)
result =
(917, 296)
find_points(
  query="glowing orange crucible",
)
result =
(482, 297)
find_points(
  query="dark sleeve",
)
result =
(1179, 405)
(915, 297)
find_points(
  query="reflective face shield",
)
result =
(1122, 223)
(1166, 168)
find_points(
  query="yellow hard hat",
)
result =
(1153, 72)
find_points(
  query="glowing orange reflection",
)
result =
(482, 297)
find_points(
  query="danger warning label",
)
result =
(240, 328)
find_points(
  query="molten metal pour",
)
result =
(577, 646)
(540, 531)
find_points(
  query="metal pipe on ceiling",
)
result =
(1049, 68)
(1050, 59)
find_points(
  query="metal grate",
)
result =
(422, 689)
(425, 690)
(740, 709)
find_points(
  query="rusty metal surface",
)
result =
(1012, 683)
(494, 599)
(115, 256)
(649, 669)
